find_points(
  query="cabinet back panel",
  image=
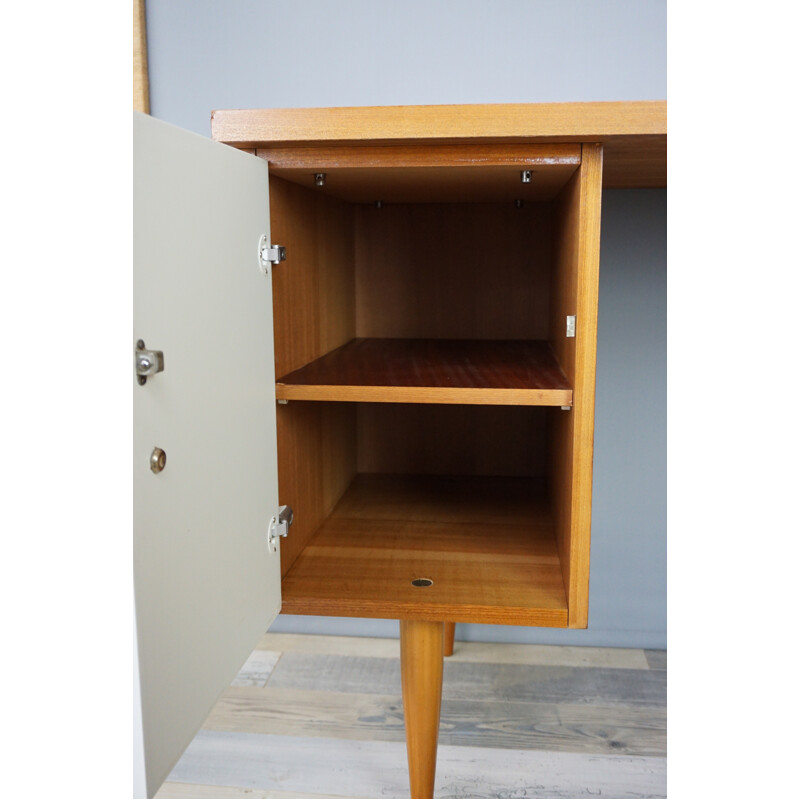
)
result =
(453, 271)
(452, 440)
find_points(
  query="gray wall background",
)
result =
(209, 54)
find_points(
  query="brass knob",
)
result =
(158, 460)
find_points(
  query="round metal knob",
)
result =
(158, 460)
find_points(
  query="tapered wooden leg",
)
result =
(449, 637)
(421, 662)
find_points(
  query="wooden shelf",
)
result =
(432, 371)
(487, 544)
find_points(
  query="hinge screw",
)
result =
(141, 379)
(319, 178)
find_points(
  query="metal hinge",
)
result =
(269, 253)
(279, 526)
(148, 362)
(570, 326)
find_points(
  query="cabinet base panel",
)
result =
(422, 547)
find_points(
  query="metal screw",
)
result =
(526, 175)
(519, 203)
(142, 379)
(319, 178)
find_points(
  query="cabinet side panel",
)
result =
(575, 290)
(314, 291)
(316, 464)
(563, 302)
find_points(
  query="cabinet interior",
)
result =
(422, 370)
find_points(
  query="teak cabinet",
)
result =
(429, 414)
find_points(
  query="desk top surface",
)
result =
(634, 134)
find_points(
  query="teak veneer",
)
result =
(633, 134)
(419, 339)
(432, 371)
(433, 332)
(389, 530)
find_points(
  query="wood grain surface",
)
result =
(314, 289)
(421, 663)
(316, 463)
(588, 279)
(449, 638)
(468, 681)
(365, 157)
(378, 769)
(428, 174)
(516, 721)
(432, 371)
(444, 439)
(509, 724)
(472, 652)
(575, 292)
(389, 530)
(634, 133)
(141, 81)
(453, 271)
(314, 312)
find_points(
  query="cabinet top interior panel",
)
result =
(485, 544)
(488, 173)
(489, 184)
(432, 371)
(634, 134)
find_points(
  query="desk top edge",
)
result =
(635, 133)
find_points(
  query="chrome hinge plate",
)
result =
(279, 526)
(148, 362)
(269, 253)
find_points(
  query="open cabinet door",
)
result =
(206, 580)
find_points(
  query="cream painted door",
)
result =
(206, 583)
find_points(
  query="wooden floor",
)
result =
(322, 716)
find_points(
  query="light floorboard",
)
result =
(485, 723)
(483, 652)
(378, 769)
(257, 669)
(656, 659)
(510, 682)
(321, 716)
(185, 791)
